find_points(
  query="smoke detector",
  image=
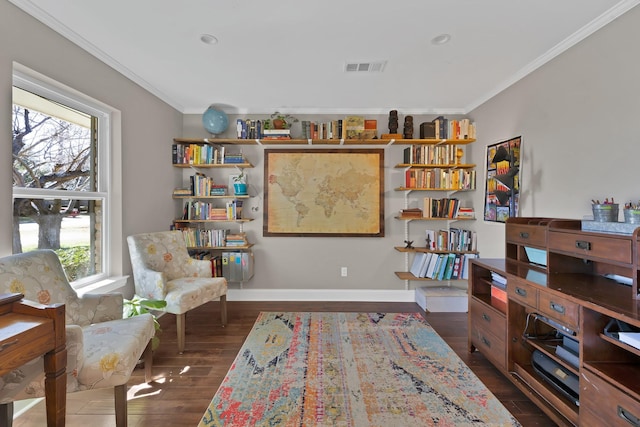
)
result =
(365, 67)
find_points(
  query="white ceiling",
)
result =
(290, 55)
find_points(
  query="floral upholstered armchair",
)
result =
(163, 270)
(102, 347)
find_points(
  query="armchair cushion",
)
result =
(189, 293)
(112, 350)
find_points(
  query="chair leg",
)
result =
(223, 309)
(180, 321)
(147, 357)
(6, 414)
(120, 397)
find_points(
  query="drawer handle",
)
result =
(8, 344)
(582, 244)
(521, 292)
(486, 317)
(524, 235)
(628, 417)
(557, 307)
(486, 341)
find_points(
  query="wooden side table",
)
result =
(29, 330)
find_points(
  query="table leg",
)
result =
(55, 363)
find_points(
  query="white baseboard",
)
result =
(363, 295)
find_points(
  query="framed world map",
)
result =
(324, 192)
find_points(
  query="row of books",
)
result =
(233, 266)
(431, 155)
(454, 129)
(204, 238)
(202, 185)
(440, 208)
(199, 210)
(436, 266)
(203, 154)
(452, 239)
(322, 130)
(440, 179)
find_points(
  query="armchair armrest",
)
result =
(75, 352)
(149, 283)
(97, 308)
(197, 268)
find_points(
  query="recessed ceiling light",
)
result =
(441, 39)
(208, 39)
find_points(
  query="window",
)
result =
(61, 188)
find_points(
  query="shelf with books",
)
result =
(317, 141)
(211, 213)
(226, 196)
(438, 266)
(239, 221)
(435, 165)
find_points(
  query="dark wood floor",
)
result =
(184, 384)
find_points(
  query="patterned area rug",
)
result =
(350, 369)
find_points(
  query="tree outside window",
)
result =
(56, 203)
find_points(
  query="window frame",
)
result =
(109, 183)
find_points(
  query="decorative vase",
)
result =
(240, 188)
(278, 124)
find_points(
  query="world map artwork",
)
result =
(323, 192)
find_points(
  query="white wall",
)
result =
(578, 116)
(147, 123)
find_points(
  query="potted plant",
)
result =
(137, 306)
(240, 184)
(281, 121)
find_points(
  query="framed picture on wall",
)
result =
(318, 192)
(502, 184)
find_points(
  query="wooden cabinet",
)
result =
(565, 289)
(434, 169)
(212, 216)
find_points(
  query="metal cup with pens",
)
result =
(605, 212)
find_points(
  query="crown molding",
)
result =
(584, 32)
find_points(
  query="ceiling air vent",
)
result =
(368, 67)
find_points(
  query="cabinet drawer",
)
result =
(535, 235)
(490, 345)
(558, 308)
(523, 292)
(585, 246)
(488, 318)
(602, 404)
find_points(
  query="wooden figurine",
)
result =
(408, 127)
(393, 121)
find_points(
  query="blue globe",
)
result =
(215, 121)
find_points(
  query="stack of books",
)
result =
(237, 239)
(182, 192)
(233, 158)
(411, 213)
(276, 134)
(218, 190)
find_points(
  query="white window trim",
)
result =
(110, 154)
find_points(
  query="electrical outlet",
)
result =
(343, 271)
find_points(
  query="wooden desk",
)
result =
(29, 330)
